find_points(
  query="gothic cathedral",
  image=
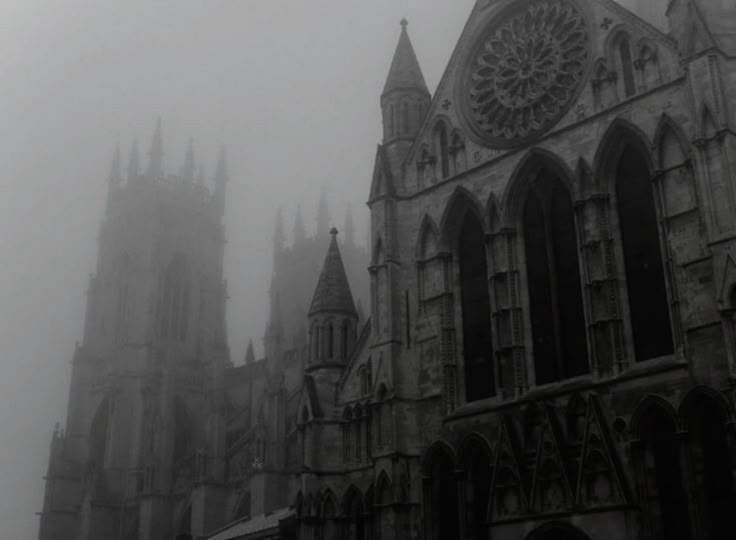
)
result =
(549, 346)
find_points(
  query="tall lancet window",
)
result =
(555, 291)
(441, 147)
(627, 65)
(174, 301)
(476, 310)
(650, 318)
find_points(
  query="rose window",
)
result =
(526, 71)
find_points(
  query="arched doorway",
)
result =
(660, 476)
(476, 464)
(440, 494)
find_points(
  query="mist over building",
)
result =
(537, 341)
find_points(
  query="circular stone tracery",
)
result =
(526, 71)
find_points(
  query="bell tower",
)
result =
(144, 418)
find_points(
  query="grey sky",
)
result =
(291, 87)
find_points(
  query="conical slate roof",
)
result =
(333, 291)
(405, 73)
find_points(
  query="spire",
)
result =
(156, 154)
(278, 234)
(333, 290)
(189, 168)
(115, 175)
(349, 226)
(250, 355)
(221, 180)
(115, 178)
(323, 215)
(405, 73)
(134, 162)
(300, 232)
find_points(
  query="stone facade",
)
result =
(551, 346)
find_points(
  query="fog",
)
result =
(290, 87)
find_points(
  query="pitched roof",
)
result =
(333, 291)
(405, 72)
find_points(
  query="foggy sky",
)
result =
(291, 88)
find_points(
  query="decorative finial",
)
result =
(333, 232)
(404, 23)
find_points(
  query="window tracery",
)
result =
(526, 71)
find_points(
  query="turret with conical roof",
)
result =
(405, 99)
(332, 316)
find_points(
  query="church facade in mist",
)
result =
(549, 343)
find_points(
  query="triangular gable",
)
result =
(551, 487)
(508, 486)
(600, 478)
(636, 20)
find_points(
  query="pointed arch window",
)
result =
(358, 429)
(405, 118)
(625, 60)
(442, 148)
(345, 339)
(330, 341)
(174, 301)
(645, 277)
(476, 310)
(346, 436)
(183, 426)
(555, 290)
(99, 435)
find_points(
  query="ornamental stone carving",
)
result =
(526, 71)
